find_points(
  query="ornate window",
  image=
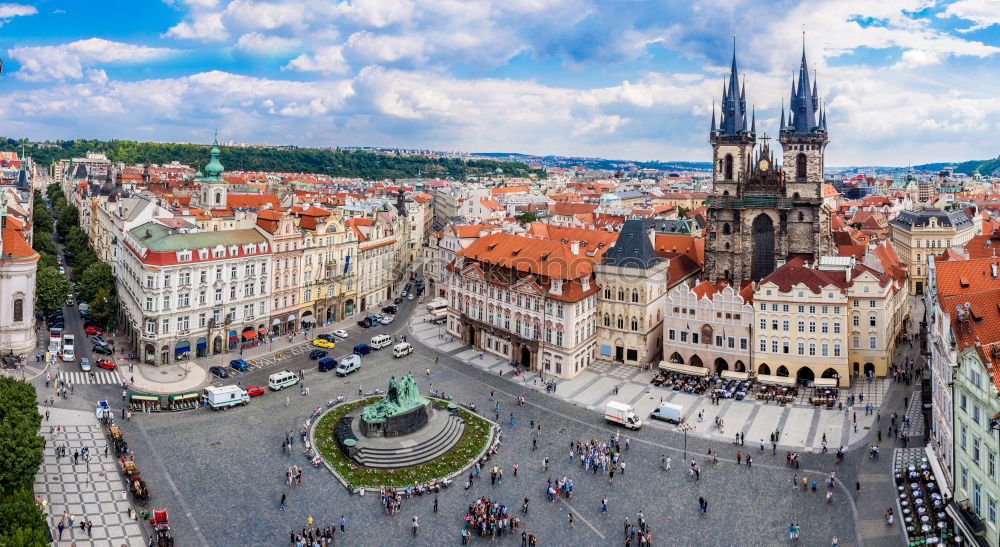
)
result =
(729, 167)
(635, 296)
(18, 310)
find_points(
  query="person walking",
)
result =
(343, 523)
(435, 504)
(571, 520)
(703, 504)
(281, 506)
(857, 488)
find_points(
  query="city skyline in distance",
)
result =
(903, 82)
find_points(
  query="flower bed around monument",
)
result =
(474, 440)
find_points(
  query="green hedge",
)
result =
(21, 521)
(474, 438)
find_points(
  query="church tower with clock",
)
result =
(761, 215)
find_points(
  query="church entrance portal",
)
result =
(763, 247)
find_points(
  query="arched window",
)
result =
(726, 229)
(635, 295)
(607, 320)
(607, 293)
(621, 294)
(19, 310)
(729, 167)
(218, 198)
(635, 324)
(800, 166)
(727, 246)
(801, 216)
(621, 322)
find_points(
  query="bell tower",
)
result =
(732, 139)
(803, 136)
(214, 189)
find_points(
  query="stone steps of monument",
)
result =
(417, 454)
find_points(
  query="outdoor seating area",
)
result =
(825, 396)
(922, 505)
(685, 383)
(780, 389)
(729, 388)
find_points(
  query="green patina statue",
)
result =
(400, 397)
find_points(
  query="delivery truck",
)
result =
(668, 412)
(622, 414)
(225, 396)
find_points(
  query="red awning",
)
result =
(249, 335)
(262, 332)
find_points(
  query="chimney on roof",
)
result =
(574, 247)
(993, 270)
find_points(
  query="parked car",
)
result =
(219, 371)
(239, 364)
(397, 300)
(404, 294)
(327, 337)
(364, 323)
(386, 320)
(92, 330)
(408, 287)
(106, 364)
(320, 343)
(62, 270)
(98, 340)
(362, 349)
(103, 350)
(391, 308)
(85, 364)
(348, 365)
(340, 333)
(317, 354)
(255, 391)
(409, 296)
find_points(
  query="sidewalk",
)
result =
(88, 491)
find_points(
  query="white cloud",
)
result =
(260, 44)
(68, 61)
(206, 27)
(329, 59)
(10, 11)
(983, 13)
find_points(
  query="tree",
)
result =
(102, 307)
(19, 440)
(51, 288)
(526, 217)
(97, 276)
(69, 217)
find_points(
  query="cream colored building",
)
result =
(633, 281)
(708, 326)
(919, 235)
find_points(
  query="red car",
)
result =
(106, 363)
(255, 391)
(91, 330)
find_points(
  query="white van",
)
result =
(381, 341)
(282, 379)
(225, 396)
(668, 412)
(348, 364)
(402, 349)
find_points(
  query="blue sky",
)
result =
(904, 81)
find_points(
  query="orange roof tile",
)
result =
(546, 257)
(15, 247)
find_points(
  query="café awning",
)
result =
(776, 380)
(825, 382)
(249, 335)
(683, 369)
(735, 375)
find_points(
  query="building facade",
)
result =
(919, 235)
(185, 292)
(18, 266)
(709, 326)
(759, 215)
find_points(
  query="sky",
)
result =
(904, 81)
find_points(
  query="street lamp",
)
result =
(685, 427)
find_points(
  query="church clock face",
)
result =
(763, 165)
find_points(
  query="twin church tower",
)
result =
(760, 216)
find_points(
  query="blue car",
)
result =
(239, 364)
(317, 354)
(362, 349)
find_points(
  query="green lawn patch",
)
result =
(474, 439)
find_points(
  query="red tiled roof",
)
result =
(15, 247)
(570, 209)
(251, 200)
(693, 247)
(546, 257)
(794, 273)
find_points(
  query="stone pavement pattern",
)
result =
(93, 491)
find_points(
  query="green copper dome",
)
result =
(214, 167)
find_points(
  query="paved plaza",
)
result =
(88, 491)
(222, 474)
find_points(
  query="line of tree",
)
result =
(95, 283)
(22, 521)
(333, 162)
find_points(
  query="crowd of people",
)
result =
(488, 518)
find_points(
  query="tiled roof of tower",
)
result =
(632, 248)
(546, 257)
(15, 246)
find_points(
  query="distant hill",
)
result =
(598, 163)
(324, 161)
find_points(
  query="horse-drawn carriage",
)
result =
(139, 491)
(130, 470)
(161, 528)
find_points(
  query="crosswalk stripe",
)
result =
(99, 377)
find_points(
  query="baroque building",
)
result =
(761, 215)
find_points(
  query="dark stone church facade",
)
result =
(760, 215)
